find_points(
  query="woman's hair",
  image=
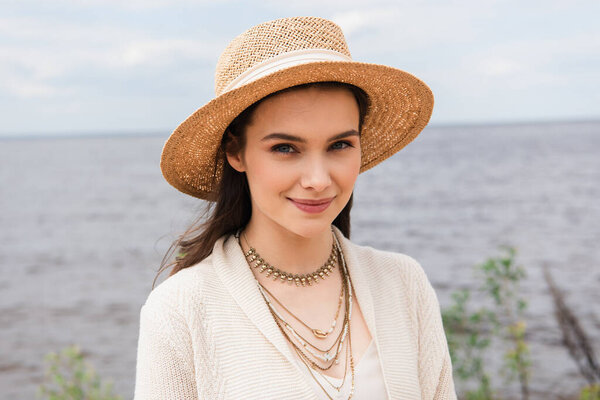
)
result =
(232, 209)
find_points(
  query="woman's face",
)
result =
(301, 157)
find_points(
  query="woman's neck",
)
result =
(287, 250)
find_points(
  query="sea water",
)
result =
(85, 222)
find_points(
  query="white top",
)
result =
(207, 333)
(368, 379)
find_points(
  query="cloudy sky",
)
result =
(117, 66)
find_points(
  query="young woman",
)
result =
(268, 298)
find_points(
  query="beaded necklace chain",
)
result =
(322, 272)
(349, 288)
(327, 357)
(310, 364)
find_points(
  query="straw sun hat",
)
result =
(276, 55)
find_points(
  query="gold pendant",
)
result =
(319, 333)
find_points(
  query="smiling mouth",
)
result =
(312, 206)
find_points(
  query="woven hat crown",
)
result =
(273, 38)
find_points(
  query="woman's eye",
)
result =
(283, 148)
(340, 145)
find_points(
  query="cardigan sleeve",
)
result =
(165, 366)
(435, 366)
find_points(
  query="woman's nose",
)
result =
(315, 174)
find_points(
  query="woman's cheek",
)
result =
(273, 173)
(351, 167)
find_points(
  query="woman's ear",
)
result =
(236, 161)
(233, 151)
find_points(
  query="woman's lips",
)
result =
(312, 206)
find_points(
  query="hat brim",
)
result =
(400, 106)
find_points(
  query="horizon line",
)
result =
(167, 132)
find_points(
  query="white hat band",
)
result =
(285, 60)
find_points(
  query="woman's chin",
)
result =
(311, 229)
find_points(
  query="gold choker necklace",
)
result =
(256, 261)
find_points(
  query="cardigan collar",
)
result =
(232, 268)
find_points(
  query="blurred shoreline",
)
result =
(166, 132)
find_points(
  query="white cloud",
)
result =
(40, 56)
(85, 57)
(354, 21)
(498, 66)
(135, 4)
(24, 88)
(396, 28)
(535, 62)
(160, 51)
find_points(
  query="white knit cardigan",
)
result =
(206, 332)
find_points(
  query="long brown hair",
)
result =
(232, 209)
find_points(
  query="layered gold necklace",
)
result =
(316, 332)
(255, 260)
(314, 358)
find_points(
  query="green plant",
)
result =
(467, 343)
(69, 377)
(470, 333)
(591, 392)
(501, 276)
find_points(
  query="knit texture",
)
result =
(206, 332)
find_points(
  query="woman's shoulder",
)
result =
(181, 290)
(371, 252)
(390, 263)
(398, 274)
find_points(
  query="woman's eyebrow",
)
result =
(343, 135)
(292, 138)
(283, 136)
